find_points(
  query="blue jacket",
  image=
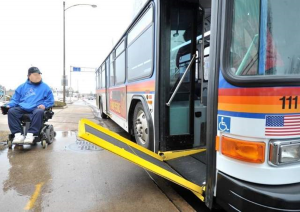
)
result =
(28, 96)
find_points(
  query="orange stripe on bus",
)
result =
(249, 108)
(265, 91)
(148, 86)
(255, 100)
(100, 91)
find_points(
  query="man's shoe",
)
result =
(29, 138)
(18, 139)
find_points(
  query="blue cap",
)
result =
(33, 70)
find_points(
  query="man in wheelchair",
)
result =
(29, 108)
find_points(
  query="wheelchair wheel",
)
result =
(50, 134)
(44, 144)
(9, 142)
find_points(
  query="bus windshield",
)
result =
(265, 38)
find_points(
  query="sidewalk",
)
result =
(67, 119)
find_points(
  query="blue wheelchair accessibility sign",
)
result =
(224, 123)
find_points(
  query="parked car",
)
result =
(91, 98)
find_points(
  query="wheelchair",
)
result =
(46, 134)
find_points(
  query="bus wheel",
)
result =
(141, 126)
(103, 115)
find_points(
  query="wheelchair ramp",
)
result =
(136, 154)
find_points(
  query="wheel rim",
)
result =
(141, 127)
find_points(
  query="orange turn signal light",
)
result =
(253, 152)
(217, 143)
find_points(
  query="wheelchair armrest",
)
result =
(48, 113)
(48, 109)
(4, 110)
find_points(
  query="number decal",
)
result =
(296, 101)
(283, 102)
(292, 101)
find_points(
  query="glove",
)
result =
(4, 109)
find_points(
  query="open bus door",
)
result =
(177, 75)
(181, 120)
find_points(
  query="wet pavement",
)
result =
(74, 175)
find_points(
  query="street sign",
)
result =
(78, 69)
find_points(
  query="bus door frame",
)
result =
(212, 99)
(162, 120)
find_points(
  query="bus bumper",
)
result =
(237, 195)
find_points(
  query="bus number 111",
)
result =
(290, 101)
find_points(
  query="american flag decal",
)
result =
(282, 125)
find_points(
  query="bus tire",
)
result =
(102, 114)
(141, 126)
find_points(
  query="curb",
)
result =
(64, 107)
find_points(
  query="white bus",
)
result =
(209, 89)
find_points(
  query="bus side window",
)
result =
(206, 63)
(140, 60)
(103, 76)
(112, 70)
(96, 79)
(197, 68)
(205, 75)
(120, 64)
(99, 77)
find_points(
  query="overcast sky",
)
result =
(31, 34)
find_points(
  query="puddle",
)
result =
(83, 146)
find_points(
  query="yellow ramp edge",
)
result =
(134, 158)
(169, 155)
